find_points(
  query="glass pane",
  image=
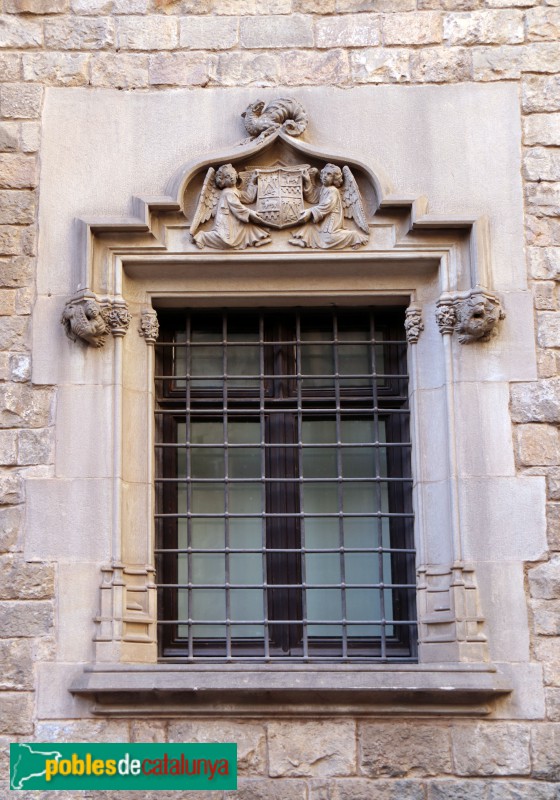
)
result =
(319, 462)
(318, 431)
(244, 462)
(208, 568)
(324, 604)
(207, 463)
(208, 604)
(180, 360)
(245, 498)
(321, 533)
(354, 359)
(363, 605)
(208, 534)
(245, 533)
(322, 568)
(208, 498)
(320, 498)
(204, 432)
(244, 359)
(244, 432)
(317, 358)
(359, 498)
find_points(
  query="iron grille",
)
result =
(284, 525)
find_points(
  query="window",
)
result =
(284, 526)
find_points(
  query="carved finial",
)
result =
(149, 326)
(117, 317)
(413, 324)
(261, 119)
(445, 314)
(83, 320)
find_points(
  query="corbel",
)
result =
(473, 314)
(90, 319)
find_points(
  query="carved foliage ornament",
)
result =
(261, 119)
(474, 315)
(149, 326)
(413, 324)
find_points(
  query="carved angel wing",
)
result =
(352, 201)
(207, 202)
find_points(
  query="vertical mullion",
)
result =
(188, 470)
(338, 429)
(262, 428)
(299, 425)
(226, 481)
(378, 483)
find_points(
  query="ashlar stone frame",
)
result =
(439, 267)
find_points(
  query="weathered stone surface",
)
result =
(20, 100)
(25, 580)
(36, 446)
(538, 444)
(30, 136)
(147, 33)
(11, 522)
(547, 652)
(60, 69)
(26, 618)
(425, 28)
(13, 331)
(543, 24)
(441, 65)
(350, 30)
(20, 367)
(148, 731)
(548, 323)
(79, 33)
(553, 522)
(11, 489)
(8, 447)
(553, 485)
(36, 6)
(544, 232)
(16, 32)
(397, 750)
(250, 738)
(25, 298)
(242, 7)
(546, 617)
(454, 789)
(364, 789)
(123, 71)
(10, 66)
(92, 7)
(294, 30)
(544, 197)
(314, 6)
(491, 749)
(17, 207)
(16, 713)
(319, 749)
(380, 65)
(131, 6)
(17, 658)
(541, 129)
(542, 164)
(545, 296)
(208, 33)
(179, 69)
(544, 580)
(450, 5)
(545, 741)
(547, 366)
(497, 63)
(240, 69)
(9, 135)
(544, 262)
(311, 67)
(484, 27)
(22, 406)
(552, 698)
(538, 401)
(82, 731)
(268, 790)
(541, 57)
(521, 790)
(10, 241)
(540, 93)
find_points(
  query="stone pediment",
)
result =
(278, 198)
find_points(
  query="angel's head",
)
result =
(226, 176)
(331, 175)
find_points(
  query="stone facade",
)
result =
(158, 45)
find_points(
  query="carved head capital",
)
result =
(477, 316)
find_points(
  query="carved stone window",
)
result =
(284, 524)
(279, 223)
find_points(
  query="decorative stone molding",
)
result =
(413, 323)
(449, 618)
(149, 326)
(474, 315)
(127, 609)
(117, 317)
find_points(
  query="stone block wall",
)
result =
(139, 45)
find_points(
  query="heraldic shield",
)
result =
(280, 194)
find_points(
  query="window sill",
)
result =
(313, 690)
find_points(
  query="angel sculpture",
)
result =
(336, 198)
(233, 222)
